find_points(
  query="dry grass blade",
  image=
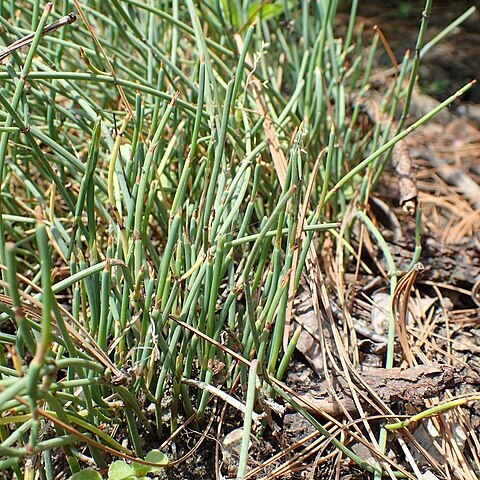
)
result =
(400, 301)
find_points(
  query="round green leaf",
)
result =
(119, 470)
(87, 474)
(154, 456)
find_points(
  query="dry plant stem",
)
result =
(400, 299)
(255, 471)
(223, 396)
(220, 429)
(247, 423)
(28, 39)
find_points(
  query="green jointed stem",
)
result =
(178, 214)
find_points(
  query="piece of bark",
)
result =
(455, 264)
(304, 315)
(412, 385)
(403, 164)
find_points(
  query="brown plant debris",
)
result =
(412, 385)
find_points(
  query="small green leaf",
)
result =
(154, 456)
(87, 474)
(119, 470)
(140, 470)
